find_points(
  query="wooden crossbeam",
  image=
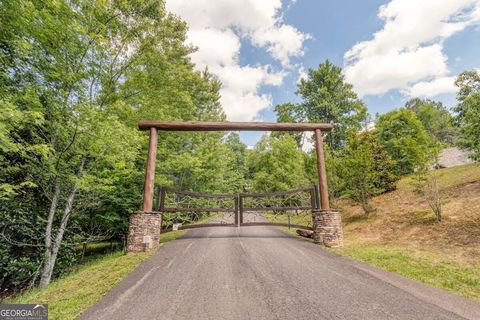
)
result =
(154, 126)
(231, 126)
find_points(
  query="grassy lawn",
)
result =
(68, 296)
(425, 267)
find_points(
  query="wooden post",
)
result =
(150, 172)
(236, 211)
(322, 171)
(240, 205)
(313, 201)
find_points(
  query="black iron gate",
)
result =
(188, 210)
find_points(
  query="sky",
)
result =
(390, 51)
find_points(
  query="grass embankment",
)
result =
(73, 293)
(68, 296)
(402, 235)
(423, 266)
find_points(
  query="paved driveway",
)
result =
(263, 273)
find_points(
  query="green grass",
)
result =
(448, 177)
(73, 293)
(424, 267)
(402, 236)
(172, 235)
(68, 296)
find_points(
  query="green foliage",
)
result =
(436, 119)
(468, 112)
(382, 163)
(365, 169)
(287, 112)
(426, 183)
(358, 173)
(328, 98)
(236, 177)
(14, 154)
(276, 164)
(75, 79)
(72, 294)
(405, 140)
(333, 164)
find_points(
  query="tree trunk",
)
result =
(48, 235)
(84, 249)
(52, 250)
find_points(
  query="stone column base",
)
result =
(144, 231)
(327, 228)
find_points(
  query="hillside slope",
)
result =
(404, 218)
(402, 235)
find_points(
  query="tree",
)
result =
(326, 97)
(276, 164)
(237, 175)
(436, 119)
(76, 78)
(365, 169)
(382, 162)
(427, 183)
(405, 140)
(468, 112)
(289, 112)
(358, 172)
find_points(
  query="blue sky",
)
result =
(390, 50)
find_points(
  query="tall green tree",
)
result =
(237, 168)
(365, 169)
(326, 97)
(468, 112)
(436, 119)
(405, 139)
(276, 164)
(75, 79)
(289, 112)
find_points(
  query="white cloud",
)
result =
(282, 42)
(217, 28)
(408, 51)
(432, 88)
(225, 52)
(302, 74)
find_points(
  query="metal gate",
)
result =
(189, 210)
(286, 208)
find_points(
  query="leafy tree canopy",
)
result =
(468, 111)
(277, 164)
(326, 97)
(404, 138)
(76, 77)
(365, 169)
(436, 119)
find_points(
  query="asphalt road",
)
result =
(263, 273)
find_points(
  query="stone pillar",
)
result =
(144, 231)
(327, 228)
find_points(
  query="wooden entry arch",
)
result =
(155, 126)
